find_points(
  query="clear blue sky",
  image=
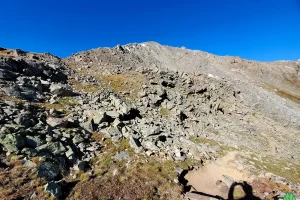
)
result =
(263, 30)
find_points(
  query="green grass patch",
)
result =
(283, 168)
(224, 149)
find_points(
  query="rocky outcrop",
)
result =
(30, 79)
(29, 131)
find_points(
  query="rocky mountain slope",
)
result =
(118, 113)
(268, 92)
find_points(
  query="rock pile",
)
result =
(29, 131)
(168, 111)
(30, 79)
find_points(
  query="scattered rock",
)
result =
(122, 156)
(29, 164)
(62, 90)
(48, 170)
(57, 122)
(54, 188)
(83, 165)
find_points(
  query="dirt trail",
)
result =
(205, 179)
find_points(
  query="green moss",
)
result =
(107, 161)
(68, 101)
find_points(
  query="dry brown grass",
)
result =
(62, 104)
(18, 182)
(130, 82)
(139, 178)
(265, 185)
(287, 95)
(88, 88)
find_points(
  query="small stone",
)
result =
(29, 164)
(122, 156)
(83, 165)
(77, 139)
(54, 188)
(116, 172)
(70, 152)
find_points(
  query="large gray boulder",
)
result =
(62, 90)
(57, 122)
(55, 148)
(48, 170)
(24, 119)
(7, 75)
(33, 141)
(21, 92)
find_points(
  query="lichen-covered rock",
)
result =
(13, 143)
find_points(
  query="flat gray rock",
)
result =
(122, 156)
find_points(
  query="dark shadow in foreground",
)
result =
(245, 186)
(247, 189)
(67, 188)
(209, 195)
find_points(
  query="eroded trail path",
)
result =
(207, 179)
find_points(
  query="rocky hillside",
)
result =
(267, 93)
(115, 114)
